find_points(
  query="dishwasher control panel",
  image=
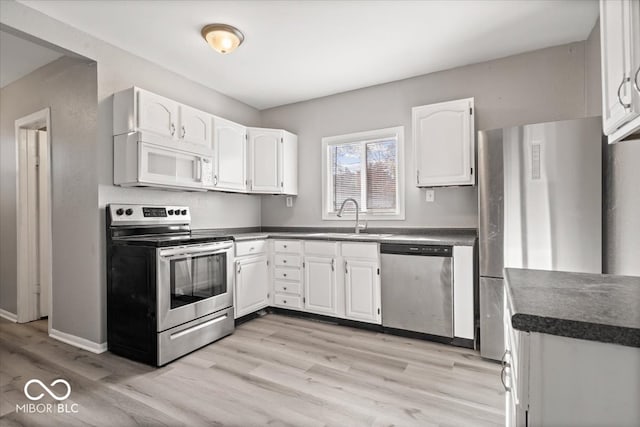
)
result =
(407, 249)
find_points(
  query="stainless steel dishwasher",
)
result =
(417, 288)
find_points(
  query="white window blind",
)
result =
(365, 171)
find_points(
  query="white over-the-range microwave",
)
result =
(143, 159)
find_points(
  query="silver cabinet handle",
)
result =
(635, 80)
(239, 267)
(333, 264)
(284, 274)
(184, 132)
(172, 128)
(346, 270)
(215, 183)
(199, 169)
(624, 80)
(284, 288)
(284, 261)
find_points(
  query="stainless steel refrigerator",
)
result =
(540, 207)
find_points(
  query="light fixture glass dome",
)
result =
(222, 37)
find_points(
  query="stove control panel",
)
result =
(148, 214)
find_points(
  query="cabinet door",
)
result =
(163, 166)
(320, 285)
(362, 288)
(252, 285)
(289, 164)
(619, 99)
(443, 137)
(265, 160)
(157, 114)
(229, 141)
(195, 126)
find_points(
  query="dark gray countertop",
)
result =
(596, 307)
(439, 237)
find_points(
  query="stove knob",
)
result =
(119, 211)
(170, 212)
(129, 211)
(184, 211)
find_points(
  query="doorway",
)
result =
(33, 152)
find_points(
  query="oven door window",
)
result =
(197, 278)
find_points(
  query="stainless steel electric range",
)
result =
(169, 291)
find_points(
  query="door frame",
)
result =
(27, 304)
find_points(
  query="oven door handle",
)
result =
(200, 250)
(184, 255)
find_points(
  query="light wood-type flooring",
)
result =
(274, 370)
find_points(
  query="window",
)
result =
(365, 166)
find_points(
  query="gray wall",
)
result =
(68, 87)
(593, 73)
(116, 70)
(543, 85)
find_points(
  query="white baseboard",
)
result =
(8, 315)
(75, 341)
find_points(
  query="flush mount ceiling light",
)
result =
(222, 37)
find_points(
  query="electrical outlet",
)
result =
(430, 195)
(289, 201)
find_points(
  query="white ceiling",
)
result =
(19, 57)
(298, 50)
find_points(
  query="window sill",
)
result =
(364, 217)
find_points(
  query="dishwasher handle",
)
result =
(421, 250)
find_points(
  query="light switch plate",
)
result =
(430, 195)
(289, 201)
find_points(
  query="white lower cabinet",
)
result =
(551, 380)
(362, 290)
(287, 275)
(252, 284)
(320, 285)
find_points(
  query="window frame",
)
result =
(396, 132)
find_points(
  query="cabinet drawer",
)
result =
(251, 247)
(287, 260)
(287, 273)
(287, 246)
(291, 301)
(360, 250)
(321, 248)
(287, 287)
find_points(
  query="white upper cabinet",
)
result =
(273, 160)
(136, 109)
(240, 159)
(230, 152)
(443, 138)
(620, 45)
(156, 114)
(264, 146)
(195, 126)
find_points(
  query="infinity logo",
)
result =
(47, 389)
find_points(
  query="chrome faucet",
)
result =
(355, 202)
